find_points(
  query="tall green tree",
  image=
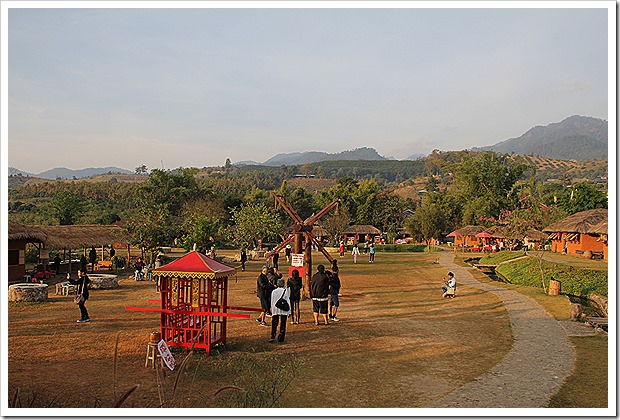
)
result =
(254, 221)
(428, 222)
(580, 197)
(68, 207)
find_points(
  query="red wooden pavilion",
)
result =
(194, 294)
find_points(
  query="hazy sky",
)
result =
(192, 87)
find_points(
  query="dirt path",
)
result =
(535, 368)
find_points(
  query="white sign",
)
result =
(166, 355)
(297, 260)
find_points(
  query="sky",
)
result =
(191, 87)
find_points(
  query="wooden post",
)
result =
(307, 267)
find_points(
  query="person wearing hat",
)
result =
(279, 315)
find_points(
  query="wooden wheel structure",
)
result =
(302, 229)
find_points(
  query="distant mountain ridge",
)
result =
(65, 173)
(299, 158)
(576, 137)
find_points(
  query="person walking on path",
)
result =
(372, 253)
(295, 285)
(334, 292)
(319, 292)
(279, 315)
(530, 376)
(276, 258)
(263, 292)
(287, 252)
(355, 253)
(82, 290)
(243, 258)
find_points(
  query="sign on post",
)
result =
(166, 356)
(297, 260)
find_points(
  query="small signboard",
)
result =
(297, 260)
(166, 356)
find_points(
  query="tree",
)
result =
(254, 221)
(581, 197)
(428, 222)
(142, 170)
(68, 207)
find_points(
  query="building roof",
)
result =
(468, 231)
(19, 231)
(80, 236)
(195, 265)
(589, 221)
(362, 230)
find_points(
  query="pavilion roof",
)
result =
(589, 221)
(195, 265)
(81, 236)
(19, 231)
(362, 230)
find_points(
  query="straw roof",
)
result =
(319, 231)
(18, 231)
(80, 236)
(535, 235)
(470, 230)
(362, 230)
(589, 221)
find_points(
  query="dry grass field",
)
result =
(397, 345)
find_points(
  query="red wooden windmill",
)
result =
(303, 229)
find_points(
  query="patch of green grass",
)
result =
(500, 257)
(587, 386)
(575, 281)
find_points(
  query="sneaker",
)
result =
(258, 320)
(83, 320)
(263, 324)
(268, 314)
(333, 318)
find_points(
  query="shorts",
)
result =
(319, 306)
(333, 300)
(265, 304)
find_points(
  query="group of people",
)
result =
(370, 250)
(271, 289)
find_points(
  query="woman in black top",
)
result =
(82, 289)
(295, 284)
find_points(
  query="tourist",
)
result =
(243, 259)
(56, 265)
(355, 253)
(295, 284)
(341, 249)
(279, 314)
(82, 290)
(287, 252)
(263, 292)
(448, 284)
(83, 263)
(92, 256)
(276, 257)
(334, 292)
(365, 247)
(319, 291)
(139, 266)
(372, 253)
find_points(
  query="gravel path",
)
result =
(535, 368)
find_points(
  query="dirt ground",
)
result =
(398, 344)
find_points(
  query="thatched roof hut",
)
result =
(81, 236)
(589, 222)
(362, 230)
(18, 231)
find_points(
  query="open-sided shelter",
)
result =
(361, 233)
(582, 232)
(19, 235)
(194, 301)
(466, 236)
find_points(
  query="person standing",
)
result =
(287, 252)
(341, 249)
(56, 265)
(276, 257)
(319, 291)
(279, 315)
(92, 256)
(334, 292)
(83, 263)
(263, 292)
(295, 285)
(372, 253)
(355, 253)
(243, 259)
(82, 290)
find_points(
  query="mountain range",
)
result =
(575, 138)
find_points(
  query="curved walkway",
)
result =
(540, 359)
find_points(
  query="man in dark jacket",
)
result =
(82, 289)
(263, 292)
(92, 256)
(319, 292)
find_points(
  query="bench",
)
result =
(65, 288)
(104, 264)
